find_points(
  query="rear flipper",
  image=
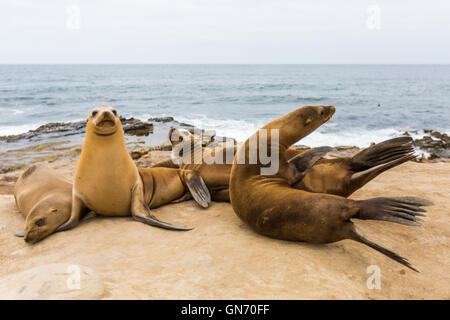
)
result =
(378, 158)
(359, 236)
(197, 188)
(403, 210)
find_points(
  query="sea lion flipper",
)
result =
(359, 236)
(78, 208)
(302, 163)
(403, 210)
(383, 152)
(20, 234)
(198, 189)
(141, 212)
(360, 178)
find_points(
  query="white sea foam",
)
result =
(8, 130)
(242, 129)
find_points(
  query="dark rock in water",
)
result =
(68, 128)
(187, 125)
(161, 119)
(138, 128)
(131, 126)
(437, 144)
(170, 119)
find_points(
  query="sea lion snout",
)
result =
(104, 119)
(327, 112)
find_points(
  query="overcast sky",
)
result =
(224, 31)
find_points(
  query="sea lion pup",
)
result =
(45, 199)
(106, 179)
(339, 176)
(271, 207)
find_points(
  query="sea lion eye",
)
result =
(114, 112)
(94, 113)
(322, 113)
(40, 222)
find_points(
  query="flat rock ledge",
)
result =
(51, 282)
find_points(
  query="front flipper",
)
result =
(302, 163)
(197, 188)
(141, 212)
(78, 208)
(20, 234)
(403, 210)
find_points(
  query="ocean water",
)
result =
(373, 102)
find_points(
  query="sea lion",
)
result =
(270, 206)
(106, 179)
(339, 176)
(45, 199)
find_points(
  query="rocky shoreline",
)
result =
(58, 140)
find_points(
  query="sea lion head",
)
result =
(45, 218)
(314, 116)
(103, 121)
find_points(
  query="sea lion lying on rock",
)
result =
(270, 206)
(44, 197)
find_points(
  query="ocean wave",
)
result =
(9, 130)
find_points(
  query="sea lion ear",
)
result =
(302, 163)
(53, 210)
(308, 121)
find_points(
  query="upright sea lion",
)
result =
(339, 176)
(270, 206)
(45, 199)
(106, 179)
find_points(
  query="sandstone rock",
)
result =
(52, 282)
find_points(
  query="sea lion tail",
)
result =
(380, 157)
(403, 210)
(359, 236)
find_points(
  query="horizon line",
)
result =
(196, 63)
